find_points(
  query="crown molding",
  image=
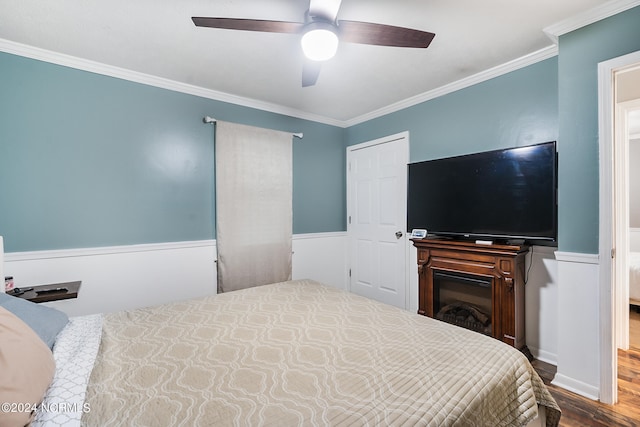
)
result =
(532, 58)
(553, 32)
(147, 79)
(52, 57)
(588, 17)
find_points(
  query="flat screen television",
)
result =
(500, 195)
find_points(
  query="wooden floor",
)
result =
(578, 411)
(634, 327)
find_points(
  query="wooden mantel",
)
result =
(502, 264)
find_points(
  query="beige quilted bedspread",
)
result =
(301, 353)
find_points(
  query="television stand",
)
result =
(500, 266)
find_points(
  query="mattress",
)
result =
(301, 353)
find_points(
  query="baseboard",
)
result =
(544, 356)
(577, 387)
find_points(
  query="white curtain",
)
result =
(253, 206)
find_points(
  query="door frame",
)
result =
(404, 136)
(607, 226)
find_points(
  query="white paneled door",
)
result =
(376, 218)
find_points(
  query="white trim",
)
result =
(608, 363)
(577, 257)
(607, 292)
(324, 235)
(122, 249)
(160, 82)
(588, 17)
(123, 277)
(383, 140)
(150, 80)
(516, 64)
(107, 250)
(544, 356)
(575, 386)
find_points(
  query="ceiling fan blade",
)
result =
(248, 24)
(383, 35)
(326, 9)
(310, 72)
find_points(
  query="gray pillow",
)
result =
(47, 322)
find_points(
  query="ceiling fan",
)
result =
(322, 31)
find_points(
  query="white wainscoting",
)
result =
(561, 294)
(541, 303)
(578, 324)
(126, 277)
(120, 277)
(321, 257)
(412, 274)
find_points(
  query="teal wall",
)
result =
(579, 54)
(553, 99)
(88, 160)
(518, 108)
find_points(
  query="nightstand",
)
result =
(51, 292)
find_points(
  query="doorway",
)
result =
(626, 195)
(613, 213)
(633, 120)
(376, 219)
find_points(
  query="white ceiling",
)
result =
(157, 37)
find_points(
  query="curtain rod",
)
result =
(210, 120)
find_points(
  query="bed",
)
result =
(634, 278)
(292, 353)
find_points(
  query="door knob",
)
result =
(399, 234)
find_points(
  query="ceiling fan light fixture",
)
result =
(319, 41)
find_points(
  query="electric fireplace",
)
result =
(476, 286)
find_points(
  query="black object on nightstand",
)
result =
(51, 292)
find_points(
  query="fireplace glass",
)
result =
(463, 300)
